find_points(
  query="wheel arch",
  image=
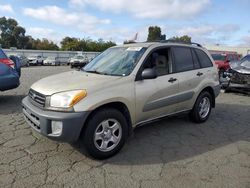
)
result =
(210, 90)
(120, 106)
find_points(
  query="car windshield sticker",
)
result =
(134, 49)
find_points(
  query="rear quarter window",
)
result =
(2, 54)
(203, 59)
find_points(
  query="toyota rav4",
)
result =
(122, 88)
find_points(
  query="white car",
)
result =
(35, 60)
(78, 61)
(51, 61)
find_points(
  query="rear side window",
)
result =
(204, 59)
(183, 60)
(2, 54)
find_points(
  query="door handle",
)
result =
(172, 80)
(199, 74)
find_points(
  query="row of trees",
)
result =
(13, 35)
(75, 44)
(154, 34)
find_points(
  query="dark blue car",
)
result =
(10, 72)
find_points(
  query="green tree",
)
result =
(43, 44)
(154, 34)
(71, 44)
(75, 44)
(12, 35)
(37, 44)
(184, 38)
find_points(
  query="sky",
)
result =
(209, 22)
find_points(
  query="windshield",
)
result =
(246, 63)
(118, 61)
(247, 57)
(78, 57)
(219, 57)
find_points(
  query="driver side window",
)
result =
(159, 60)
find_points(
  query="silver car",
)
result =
(51, 61)
(122, 88)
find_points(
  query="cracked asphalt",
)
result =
(173, 152)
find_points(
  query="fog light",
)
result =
(56, 128)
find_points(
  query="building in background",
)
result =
(240, 50)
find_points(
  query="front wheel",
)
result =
(202, 108)
(105, 133)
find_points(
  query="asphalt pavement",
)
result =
(173, 152)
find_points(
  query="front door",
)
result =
(156, 97)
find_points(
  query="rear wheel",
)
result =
(105, 133)
(202, 108)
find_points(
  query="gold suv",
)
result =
(123, 87)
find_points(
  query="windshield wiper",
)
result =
(93, 71)
(101, 73)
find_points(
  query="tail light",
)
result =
(8, 62)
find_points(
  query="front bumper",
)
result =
(41, 121)
(9, 82)
(239, 86)
(78, 64)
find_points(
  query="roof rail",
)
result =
(180, 42)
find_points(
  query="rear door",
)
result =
(192, 81)
(189, 74)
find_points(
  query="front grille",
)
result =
(240, 78)
(38, 98)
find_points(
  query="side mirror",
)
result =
(148, 74)
(227, 61)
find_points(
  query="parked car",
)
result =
(51, 61)
(122, 88)
(24, 60)
(35, 60)
(9, 77)
(78, 61)
(223, 59)
(238, 77)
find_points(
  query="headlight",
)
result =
(67, 99)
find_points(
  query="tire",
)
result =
(98, 141)
(196, 114)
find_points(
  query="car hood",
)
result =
(234, 64)
(72, 80)
(242, 70)
(32, 58)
